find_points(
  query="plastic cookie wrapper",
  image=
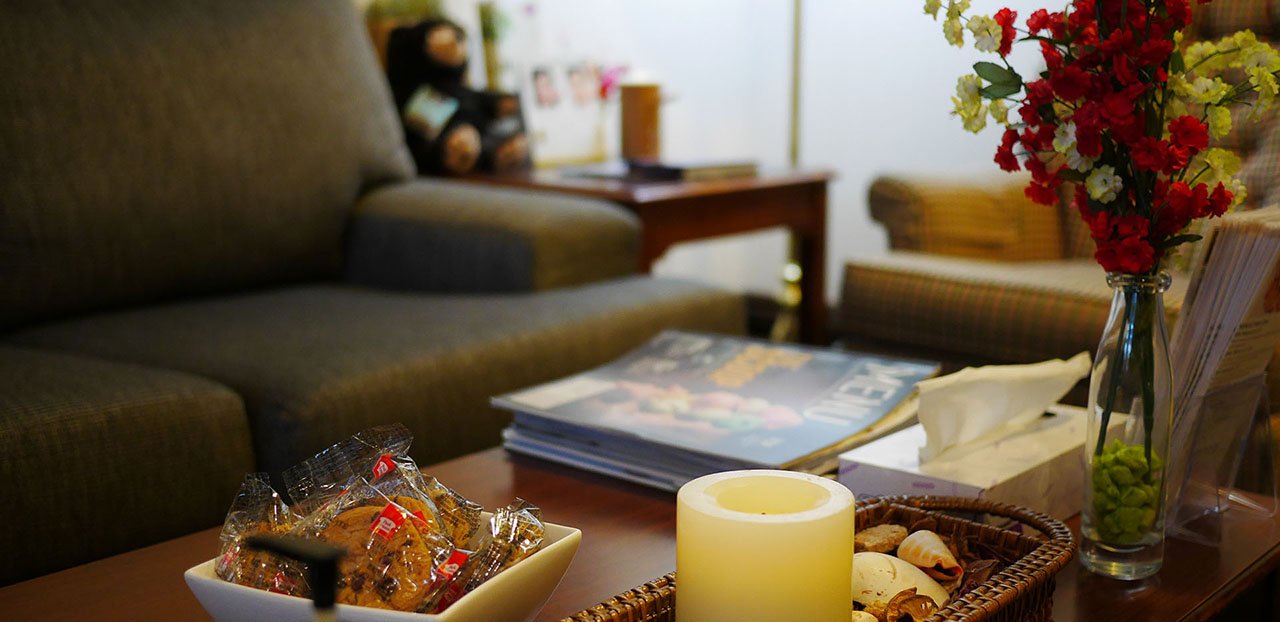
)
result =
(258, 510)
(317, 480)
(380, 457)
(443, 510)
(515, 532)
(394, 560)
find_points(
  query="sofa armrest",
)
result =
(439, 235)
(991, 220)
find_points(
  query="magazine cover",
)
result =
(750, 400)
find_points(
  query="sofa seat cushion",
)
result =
(315, 364)
(1001, 311)
(102, 457)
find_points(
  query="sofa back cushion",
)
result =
(153, 150)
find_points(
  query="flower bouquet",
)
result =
(1124, 111)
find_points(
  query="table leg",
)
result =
(811, 251)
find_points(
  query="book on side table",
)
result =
(686, 404)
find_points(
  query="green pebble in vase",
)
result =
(1125, 492)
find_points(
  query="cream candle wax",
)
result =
(764, 546)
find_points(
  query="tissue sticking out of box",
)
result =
(975, 405)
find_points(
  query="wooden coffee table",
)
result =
(675, 212)
(628, 539)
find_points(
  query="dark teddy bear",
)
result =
(449, 127)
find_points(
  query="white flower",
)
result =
(986, 33)
(1103, 184)
(1064, 142)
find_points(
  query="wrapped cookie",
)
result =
(515, 532)
(394, 559)
(258, 510)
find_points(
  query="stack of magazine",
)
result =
(687, 404)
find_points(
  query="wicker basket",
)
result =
(1021, 591)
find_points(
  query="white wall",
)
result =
(725, 66)
(877, 83)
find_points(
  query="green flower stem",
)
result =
(1116, 368)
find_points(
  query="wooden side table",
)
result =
(674, 212)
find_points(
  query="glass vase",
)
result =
(1130, 415)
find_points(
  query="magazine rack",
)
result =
(1230, 421)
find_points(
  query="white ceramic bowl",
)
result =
(514, 595)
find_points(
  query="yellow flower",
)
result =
(954, 31)
(1219, 120)
(1259, 55)
(1264, 82)
(969, 90)
(1224, 163)
(1103, 184)
(999, 111)
(1175, 106)
(931, 8)
(968, 103)
(986, 33)
(952, 28)
(1197, 52)
(1202, 90)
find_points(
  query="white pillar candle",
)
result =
(763, 545)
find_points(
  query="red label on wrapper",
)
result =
(387, 522)
(446, 572)
(383, 466)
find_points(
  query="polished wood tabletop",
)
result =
(629, 538)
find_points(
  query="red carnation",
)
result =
(1039, 20)
(1119, 41)
(1149, 154)
(1004, 154)
(1030, 114)
(1182, 203)
(1052, 56)
(1040, 193)
(1154, 52)
(1039, 92)
(1188, 131)
(1123, 70)
(1130, 225)
(1132, 254)
(1005, 18)
(1180, 11)
(1176, 158)
(1220, 200)
(1088, 130)
(1071, 83)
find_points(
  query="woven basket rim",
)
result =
(1033, 570)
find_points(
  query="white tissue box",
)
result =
(1040, 467)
